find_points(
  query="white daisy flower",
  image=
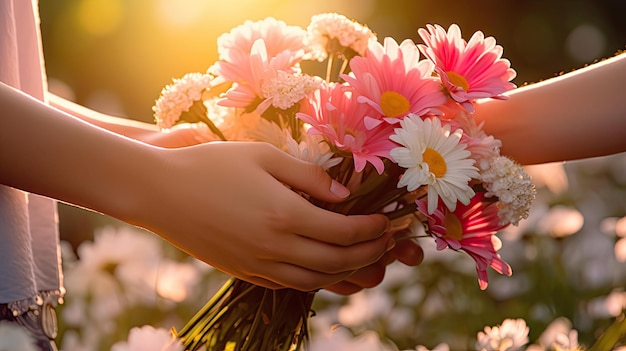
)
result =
(559, 336)
(508, 181)
(328, 27)
(177, 281)
(117, 270)
(510, 336)
(178, 97)
(149, 338)
(434, 157)
(312, 149)
(340, 338)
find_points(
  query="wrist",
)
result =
(127, 189)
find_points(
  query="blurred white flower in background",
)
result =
(620, 250)
(561, 221)
(341, 339)
(87, 340)
(589, 261)
(148, 338)
(365, 306)
(440, 347)
(550, 175)
(114, 272)
(616, 227)
(400, 322)
(511, 335)
(117, 255)
(559, 335)
(608, 306)
(176, 280)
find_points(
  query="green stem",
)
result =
(615, 334)
(329, 67)
(198, 113)
(207, 307)
(257, 317)
(204, 119)
(344, 65)
(406, 210)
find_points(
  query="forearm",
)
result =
(45, 151)
(123, 126)
(144, 132)
(577, 115)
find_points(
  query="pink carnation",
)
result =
(251, 72)
(278, 37)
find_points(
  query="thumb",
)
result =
(304, 176)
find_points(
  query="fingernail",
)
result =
(391, 244)
(387, 227)
(338, 189)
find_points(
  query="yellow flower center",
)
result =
(454, 228)
(394, 104)
(436, 162)
(458, 80)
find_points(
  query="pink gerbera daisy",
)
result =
(334, 112)
(392, 79)
(468, 70)
(470, 228)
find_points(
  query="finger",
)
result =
(298, 278)
(408, 251)
(313, 221)
(330, 227)
(304, 176)
(369, 276)
(262, 282)
(325, 258)
(344, 288)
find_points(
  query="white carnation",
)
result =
(328, 26)
(178, 97)
(286, 89)
(513, 187)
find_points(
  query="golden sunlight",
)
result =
(181, 13)
(210, 15)
(100, 17)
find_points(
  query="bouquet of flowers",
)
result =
(391, 121)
